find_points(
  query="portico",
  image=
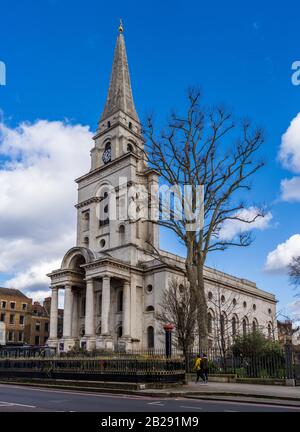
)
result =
(97, 307)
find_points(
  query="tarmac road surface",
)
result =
(14, 398)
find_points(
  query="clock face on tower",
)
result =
(106, 157)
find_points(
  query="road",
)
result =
(14, 398)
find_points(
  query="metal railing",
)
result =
(272, 365)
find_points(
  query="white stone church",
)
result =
(112, 284)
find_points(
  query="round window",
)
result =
(149, 288)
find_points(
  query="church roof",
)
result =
(119, 95)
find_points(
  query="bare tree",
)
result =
(294, 271)
(225, 323)
(208, 148)
(176, 308)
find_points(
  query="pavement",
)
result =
(15, 398)
(279, 395)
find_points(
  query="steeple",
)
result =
(119, 95)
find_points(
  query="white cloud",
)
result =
(38, 165)
(231, 228)
(290, 189)
(34, 277)
(281, 257)
(289, 153)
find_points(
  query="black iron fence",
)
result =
(282, 364)
(94, 369)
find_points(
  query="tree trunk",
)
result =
(196, 279)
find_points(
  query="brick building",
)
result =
(15, 313)
(39, 328)
(22, 321)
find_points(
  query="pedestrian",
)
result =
(197, 366)
(204, 369)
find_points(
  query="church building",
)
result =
(112, 283)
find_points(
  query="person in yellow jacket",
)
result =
(197, 367)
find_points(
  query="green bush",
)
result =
(241, 372)
(255, 344)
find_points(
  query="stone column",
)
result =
(90, 309)
(105, 305)
(67, 329)
(54, 314)
(75, 317)
(126, 309)
(133, 310)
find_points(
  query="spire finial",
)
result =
(121, 26)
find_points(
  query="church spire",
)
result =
(119, 95)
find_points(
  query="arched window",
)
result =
(86, 241)
(245, 327)
(129, 147)
(100, 304)
(149, 309)
(130, 125)
(210, 295)
(209, 322)
(245, 304)
(254, 326)
(270, 328)
(86, 220)
(223, 299)
(104, 210)
(106, 156)
(150, 337)
(108, 124)
(120, 331)
(234, 302)
(233, 326)
(122, 234)
(120, 301)
(83, 306)
(222, 324)
(181, 289)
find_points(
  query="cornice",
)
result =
(88, 202)
(98, 133)
(64, 272)
(112, 262)
(105, 167)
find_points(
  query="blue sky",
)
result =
(58, 55)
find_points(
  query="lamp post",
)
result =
(168, 334)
